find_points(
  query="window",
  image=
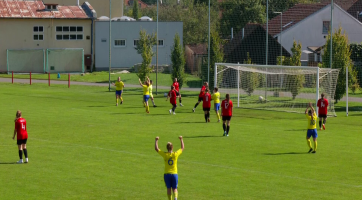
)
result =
(135, 42)
(120, 43)
(160, 43)
(69, 32)
(38, 30)
(326, 26)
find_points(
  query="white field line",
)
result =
(207, 164)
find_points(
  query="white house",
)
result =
(309, 24)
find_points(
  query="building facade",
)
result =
(125, 35)
(32, 25)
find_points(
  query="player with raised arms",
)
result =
(206, 104)
(322, 105)
(172, 94)
(216, 97)
(201, 95)
(22, 136)
(119, 90)
(227, 113)
(177, 88)
(312, 127)
(170, 159)
(151, 95)
(146, 93)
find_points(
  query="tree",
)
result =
(237, 13)
(193, 16)
(295, 83)
(178, 61)
(340, 60)
(136, 11)
(216, 56)
(144, 47)
(249, 80)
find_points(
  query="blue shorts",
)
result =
(312, 133)
(119, 92)
(217, 106)
(146, 97)
(171, 180)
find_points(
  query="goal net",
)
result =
(279, 88)
(25, 60)
(65, 60)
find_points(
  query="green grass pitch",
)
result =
(81, 146)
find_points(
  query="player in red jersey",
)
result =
(201, 95)
(206, 105)
(322, 111)
(177, 89)
(22, 136)
(172, 94)
(227, 112)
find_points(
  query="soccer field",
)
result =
(81, 146)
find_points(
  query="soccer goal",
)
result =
(25, 60)
(279, 88)
(65, 60)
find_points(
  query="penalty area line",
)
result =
(206, 164)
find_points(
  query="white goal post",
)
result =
(276, 87)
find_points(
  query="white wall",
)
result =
(310, 30)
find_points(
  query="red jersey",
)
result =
(20, 127)
(323, 106)
(202, 91)
(176, 85)
(172, 95)
(206, 101)
(227, 108)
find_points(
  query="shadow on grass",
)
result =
(350, 108)
(7, 163)
(286, 153)
(202, 136)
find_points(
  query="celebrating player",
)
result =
(201, 95)
(216, 97)
(22, 136)
(206, 105)
(170, 159)
(177, 88)
(172, 94)
(227, 113)
(119, 89)
(151, 95)
(146, 93)
(312, 127)
(322, 105)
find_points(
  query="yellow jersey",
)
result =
(216, 97)
(146, 90)
(150, 90)
(312, 123)
(170, 160)
(119, 85)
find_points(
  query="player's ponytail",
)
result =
(310, 113)
(228, 96)
(18, 115)
(169, 146)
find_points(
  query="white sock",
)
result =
(153, 102)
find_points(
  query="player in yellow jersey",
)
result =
(119, 89)
(151, 95)
(146, 93)
(216, 97)
(170, 159)
(312, 127)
